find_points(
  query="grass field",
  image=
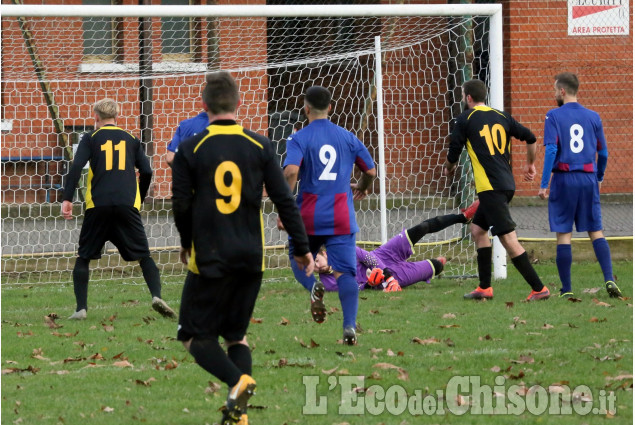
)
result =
(123, 366)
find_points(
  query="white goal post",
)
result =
(59, 59)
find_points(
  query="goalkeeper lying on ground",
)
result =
(387, 267)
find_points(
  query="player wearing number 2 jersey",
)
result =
(322, 156)
(487, 133)
(113, 200)
(573, 137)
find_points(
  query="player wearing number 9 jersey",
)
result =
(487, 133)
(322, 156)
(218, 178)
(113, 200)
(573, 137)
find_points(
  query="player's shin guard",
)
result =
(349, 298)
(484, 263)
(603, 254)
(151, 275)
(525, 268)
(564, 259)
(240, 355)
(80, 283)
(209, 355)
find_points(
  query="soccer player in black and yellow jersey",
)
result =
(113, 200)
(487, 133)
(217, 184)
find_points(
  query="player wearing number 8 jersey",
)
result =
(573, 137)
(487, 133)
(322, 156)
(218, 178)
(113, 200)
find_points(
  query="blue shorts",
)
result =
(574, 197)
(341, 249)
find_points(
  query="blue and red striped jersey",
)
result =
(326, 154)
(578, 133)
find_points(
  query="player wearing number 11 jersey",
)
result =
(322, 156)
(113, 200)
(487, 133)
(573, 137)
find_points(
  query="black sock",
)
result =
(484, 262)
(151, 275)
(433, 225)
(240, 355)
(525, 268)
(210, 356)
(80, 283)
(438, 266)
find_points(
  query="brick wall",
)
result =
(537, 47)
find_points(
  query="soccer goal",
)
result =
(395, 72)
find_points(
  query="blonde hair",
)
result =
(106, 108)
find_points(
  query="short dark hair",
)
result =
(568, 81)
(318, 97)
(220, 93)
(476, 89)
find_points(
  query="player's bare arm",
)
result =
(169, 158)
(360, 189)
(448, 168)
(291, 176)
(530, 174)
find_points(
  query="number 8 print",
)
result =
(576, 144)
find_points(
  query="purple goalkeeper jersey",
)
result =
(578, 133)
(326, 154)
(393, 255)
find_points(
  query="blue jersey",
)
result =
(578, 134)
(326, 155)
(188, 128)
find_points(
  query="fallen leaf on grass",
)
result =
(107, 409)
(547, 326)
(450, 326)
(590, 290)
(596, 320)
(329, 371)
(146, 383)
(495, 369)
(255, 320)
(402, 373)
(449, 316)
(212, 388)
(66, 335)
(601, 303)
(427, 341)
(38, 354)
(49, 320)
(30, 369)
(509, 304)
(23, 334)
(523, 359)
(386, 331)
(284, 321)
(123, 363)
(574, 300)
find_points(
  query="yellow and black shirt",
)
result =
(113, 154)
(487, 133)
(217, 185)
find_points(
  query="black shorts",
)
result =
(119, 224)
(494, 212)
(217, 307)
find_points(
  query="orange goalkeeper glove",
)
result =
(392, 285)
(375, 276)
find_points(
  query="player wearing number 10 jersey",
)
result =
(573, 137)
(487, 133)
(322, 156)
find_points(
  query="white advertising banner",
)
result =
(599, 17)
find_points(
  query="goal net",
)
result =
(153, 60)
